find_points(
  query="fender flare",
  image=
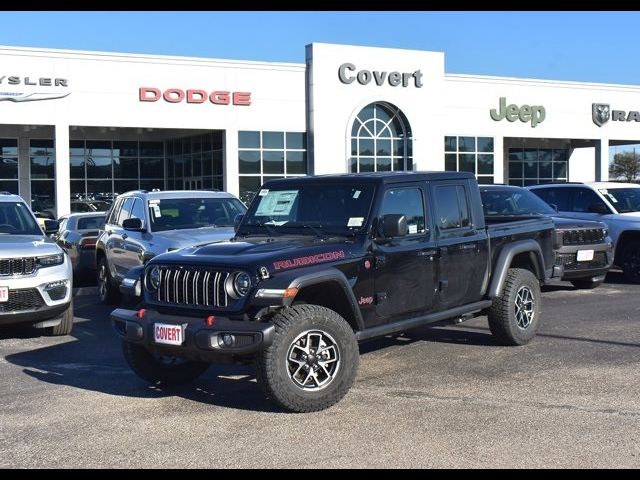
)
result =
(506, 257)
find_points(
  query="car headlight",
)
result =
(51, 260)
(605, 232)
(239, 286)
(153, 279)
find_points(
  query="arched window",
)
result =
(380, 140)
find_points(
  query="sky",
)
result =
(580, 46)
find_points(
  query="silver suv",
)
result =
(141, 225)
(35, 273)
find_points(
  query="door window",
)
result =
(452, 207)
(125, 211)
(407, 202)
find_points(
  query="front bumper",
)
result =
(200, 341)
(574, 269)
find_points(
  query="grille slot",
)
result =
(17, 266)
(193, 286)
(586, 236)
(569, 260)
(21, 300)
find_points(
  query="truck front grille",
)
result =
(22, 300)
(193, 286)
(586, 236)
(17, 266)
(569, 260)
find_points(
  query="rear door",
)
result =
(461, 244)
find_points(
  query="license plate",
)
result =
(168, 334)
(585, 255)
(4, 294)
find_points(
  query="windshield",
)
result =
(513, 201)
(309, 208)
(183, 213)
(91, 223)
(624, 200)
(15, 219)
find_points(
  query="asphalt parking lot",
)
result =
(435, 397)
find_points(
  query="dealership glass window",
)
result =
(9, 165)
(532, 166)
(192, 161)
(265, 156)
(470, 154)
(381, 140)
(43, 161)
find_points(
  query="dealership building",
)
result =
(77, 123)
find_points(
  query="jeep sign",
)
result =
(526, 113)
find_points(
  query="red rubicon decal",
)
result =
(310, 260)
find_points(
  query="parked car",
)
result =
(583, 248)
(615, 204)
(35, 273)
(78, 235)
(144, 224)
(320, 263)
(81, 206)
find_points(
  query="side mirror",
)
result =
(237, 221)
(597, 207)
(394, 225)
(554, 206)
(51, 227)
(132, 224)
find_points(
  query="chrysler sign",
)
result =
(30, 94)
(177, 95)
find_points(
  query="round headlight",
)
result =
(154, 278)
(242, 283)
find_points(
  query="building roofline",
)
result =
(537, 81)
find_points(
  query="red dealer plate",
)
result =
(168, 334)
(4, 294)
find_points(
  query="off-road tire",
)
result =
(273, 371)
(630, 261)
(148, 367)
(65, 326)
(109, 294)
(503, 320)
(586, 283)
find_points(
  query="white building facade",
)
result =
(75, 124)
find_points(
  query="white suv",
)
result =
(35, 273)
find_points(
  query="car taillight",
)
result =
(88, 243)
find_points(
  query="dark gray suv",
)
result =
(141, 225)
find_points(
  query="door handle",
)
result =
(468, 246)
(428, 253)
(125, 236)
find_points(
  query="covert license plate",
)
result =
(168, 334)
(585, 255)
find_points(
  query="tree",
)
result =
(625, 164)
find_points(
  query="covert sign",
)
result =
(526, 113)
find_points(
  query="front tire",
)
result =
(65, 326)
(630, 261)
(109, 295)
(514, 317)
(312, 362)
(159, 370)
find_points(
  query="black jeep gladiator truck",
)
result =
(319, 264)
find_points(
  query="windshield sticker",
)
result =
(609, 195)
(156, 210)
(263, 192)
(355, 222)
(413, 229)
(277, 202)
(310, 260)
(356, 194)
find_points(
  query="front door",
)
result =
(405, 267)
(193, 183)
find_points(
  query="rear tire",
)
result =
(65, 326)
(108, 293)
(161, 370)
(630, 261)
(514, 317)
(312, 362)
(586, 283)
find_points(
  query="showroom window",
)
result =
(266, 156)
(43, 161)
(532, 166)
(101, 169)
(9, 165)
(380, 140)
(470, 154)
(196, 162)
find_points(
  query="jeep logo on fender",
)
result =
(177, 95)
(526, 113)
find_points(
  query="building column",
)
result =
(62, 171)
(499, 160)
(230, 177)
(24, 166)
(601, 173)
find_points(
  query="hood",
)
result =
(564, 223)
(629, 217)
(194, 236)
(279, 254)
(17, 246)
